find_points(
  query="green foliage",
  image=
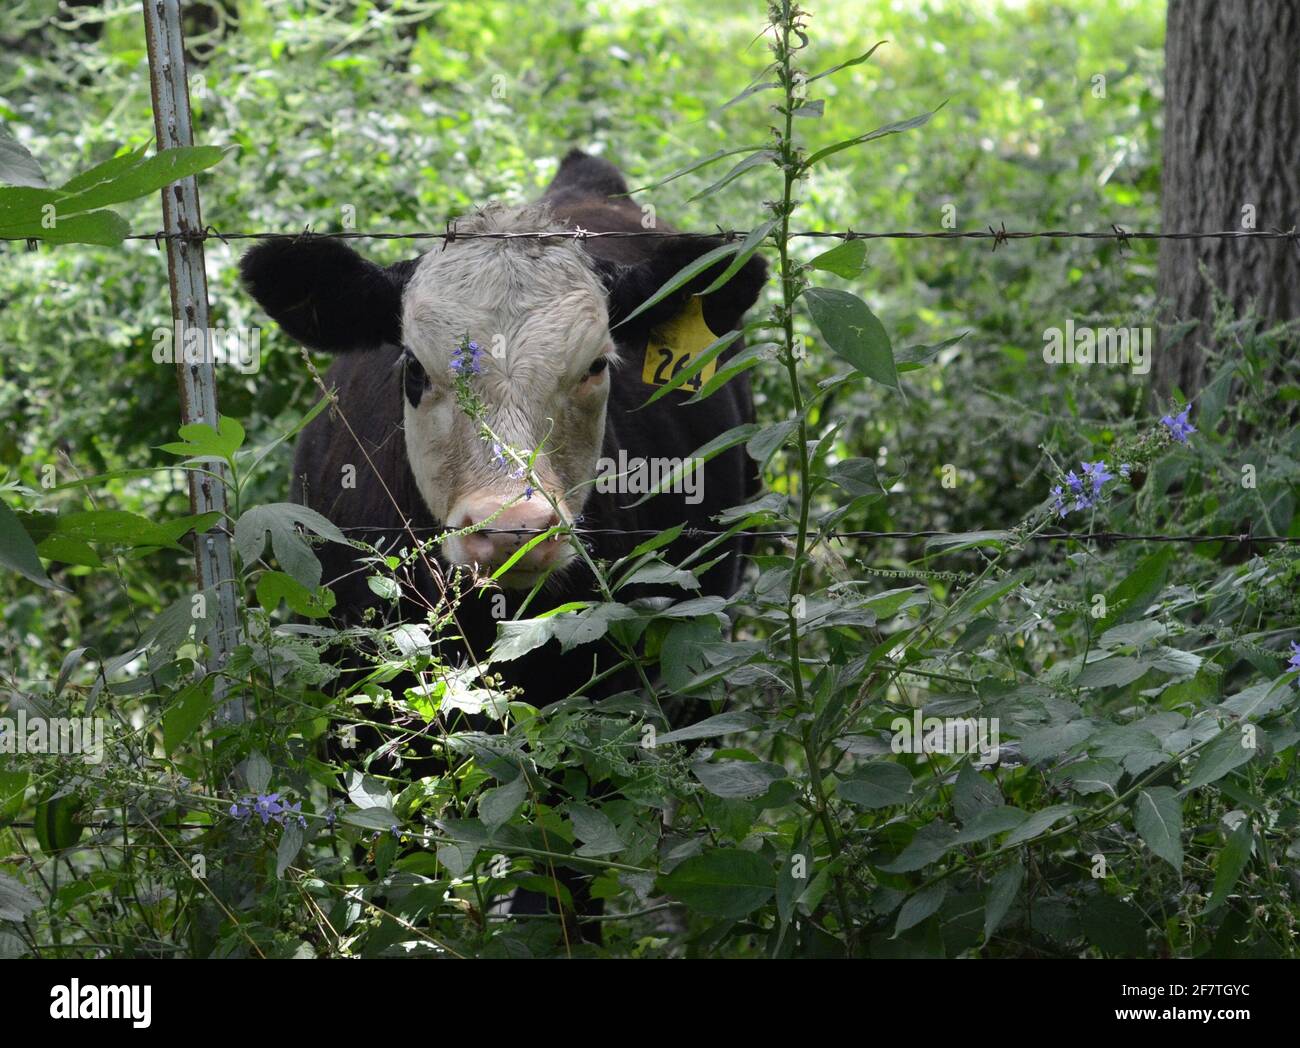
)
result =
(1139, 797)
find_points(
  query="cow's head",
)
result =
(540, 312)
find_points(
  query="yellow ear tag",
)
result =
(673, 346)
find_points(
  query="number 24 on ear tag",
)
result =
(673, 346)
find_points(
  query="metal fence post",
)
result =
(189, 294)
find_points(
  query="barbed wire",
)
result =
(956, 536)
(999, 235)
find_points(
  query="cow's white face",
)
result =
(537, 311)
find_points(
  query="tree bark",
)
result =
(1231, 143)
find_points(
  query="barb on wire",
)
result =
(1000, 235)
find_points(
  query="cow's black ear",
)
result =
(631, 285)
(324, 294)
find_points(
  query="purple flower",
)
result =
(1294, 662)
(1124, 470)
(467, 354)
(1179, 428)
(1096, 472)
(528, 491)
(1076, 485)
(1059, 501)
(268, 807)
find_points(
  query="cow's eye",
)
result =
(414, 379)
(598, 365)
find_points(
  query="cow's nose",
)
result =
(505, 530)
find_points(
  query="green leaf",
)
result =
(932, 842)
(657, 572)
(1158, 817)
(594, 828)
(844, 260)
(66, 550)
(201, 441)
(973, 601)
(106, 228)
(664, 538)
(498, 806)
(706, 451)
(381, 819)
(912, 358)
(920, 906)
(1232, 860)
(116, 527)
(695, 165)
(186, 712)
(852, 331)
(765, 443)
(845, 65)
(276, 586)
(681, 278)
(724, 883)
(881, 784)
(1044, 743)
(742, 780)
(291, 549)
(758, 159)
(18, 552)
(140, 179)
(752, 242)
(969, 540)
(751, 89)
(18, 167)
(16, 900)
(712, 727)
(106, 171)
(1002, 893)
(990, 822)
(870, 136)
(698, 363)
(1038, 822)
(1139, 589)
(750, 356)
(573, 629)
(257, 772)
(291, 841)
(1114, 672)
(1221, 756)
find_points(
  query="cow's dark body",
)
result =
(369, 389)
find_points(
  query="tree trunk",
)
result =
(1231, 144)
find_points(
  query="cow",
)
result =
(560, 368)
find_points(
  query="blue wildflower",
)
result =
(1096, 472)
(1059, 501)
(1179, 428)
(1294, 662)
(467, 355)
(1125, 470)
(268, 807)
